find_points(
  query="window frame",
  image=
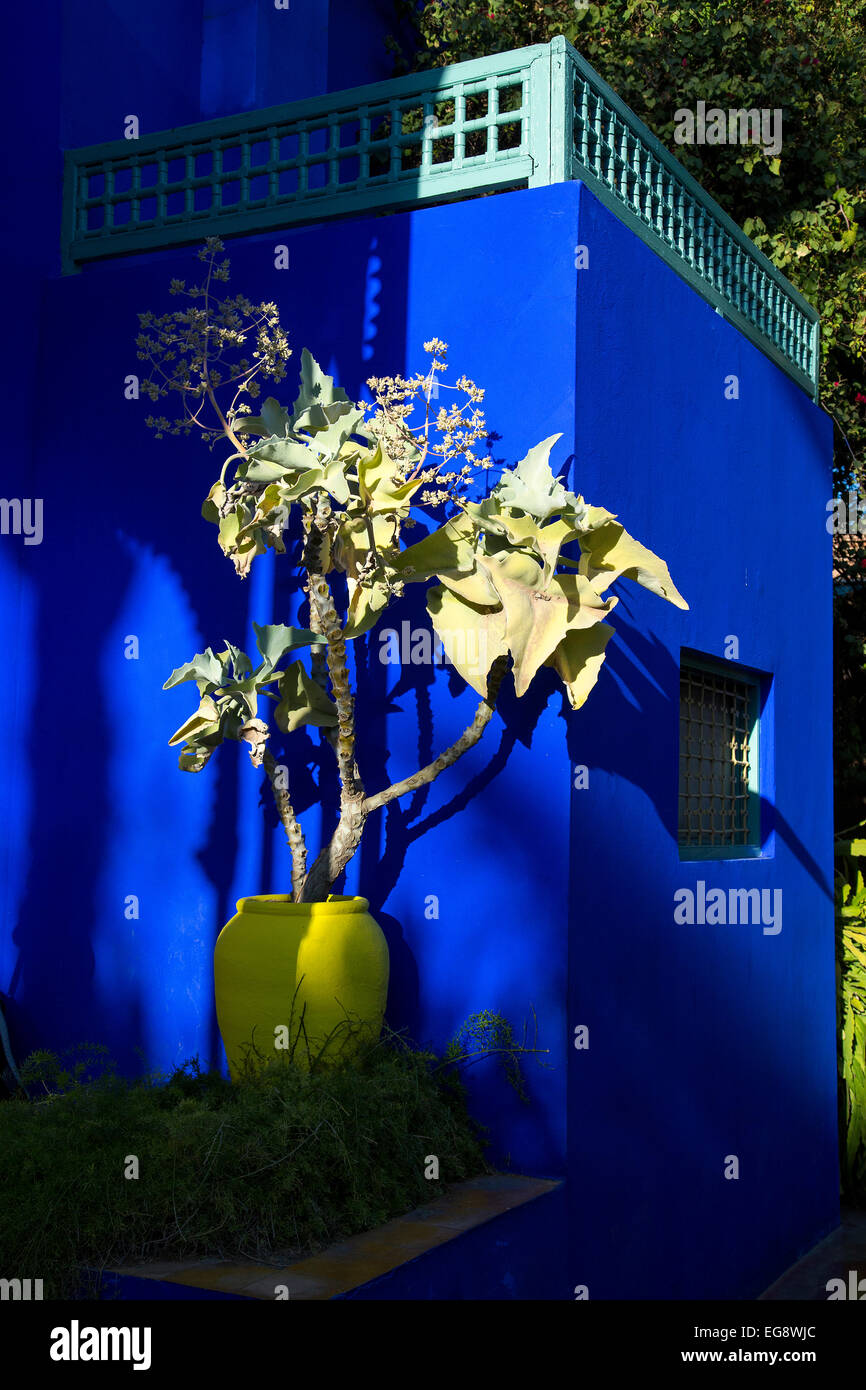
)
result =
(728, 670)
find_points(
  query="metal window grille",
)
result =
(718, 756)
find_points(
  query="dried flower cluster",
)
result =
(424, 449)
(198, 352)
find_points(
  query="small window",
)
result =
(719, 795)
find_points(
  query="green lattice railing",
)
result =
(535, 116)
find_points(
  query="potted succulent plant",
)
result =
(339, 487)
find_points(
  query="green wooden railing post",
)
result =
(561, 111)
(539, 131)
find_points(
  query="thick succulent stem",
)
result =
(290, 824)
(350, 827)
(313, 556)
(333, 859)
(329, 625)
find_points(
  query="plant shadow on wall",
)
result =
(503, 596)
(640, 684)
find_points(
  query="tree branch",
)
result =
(291, 825)
(467, 740)
(329, 627)
(332, 860)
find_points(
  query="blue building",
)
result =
(650, 876)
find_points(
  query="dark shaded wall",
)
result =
(706, 1041)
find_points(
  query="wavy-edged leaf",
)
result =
(275, 639)
(578, 660)
(531, 485)
(319, 402)
(353, 543)
(203, 724)
(378, 486)
(273, 420)
(210, 507)
(302, 701)
(538, 615)
(205, 666)
(241, 664)
(444, 551)
(472, 637)
(474, 588)
(277, 458)
(610, 553)
(329, 440)
(366, 604)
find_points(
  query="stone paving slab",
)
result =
(356, 1261)
(835, 1257)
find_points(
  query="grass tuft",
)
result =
(282, 1163)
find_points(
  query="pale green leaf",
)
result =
(275, 639)
(204, 723)
(444, 551)
(610, 553)
(303, 701)
(473, 637)
(532, 487)
(578, 660)
(205, 666)
(273, 420)
(319, 403)
(366, 603)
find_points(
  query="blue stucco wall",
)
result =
(704, 1041)
(141, 562)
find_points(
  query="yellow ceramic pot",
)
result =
(301, 979)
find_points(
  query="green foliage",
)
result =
(501, 590)
(279, 1164)
(851, 973)
(488, 1034)
(230, 689)
(349, 481)
(849, 679)
(808, 59)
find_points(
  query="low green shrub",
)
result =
(282, 1163)
(851, 995)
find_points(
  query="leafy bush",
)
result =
(851, 970)
(277, 1165)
